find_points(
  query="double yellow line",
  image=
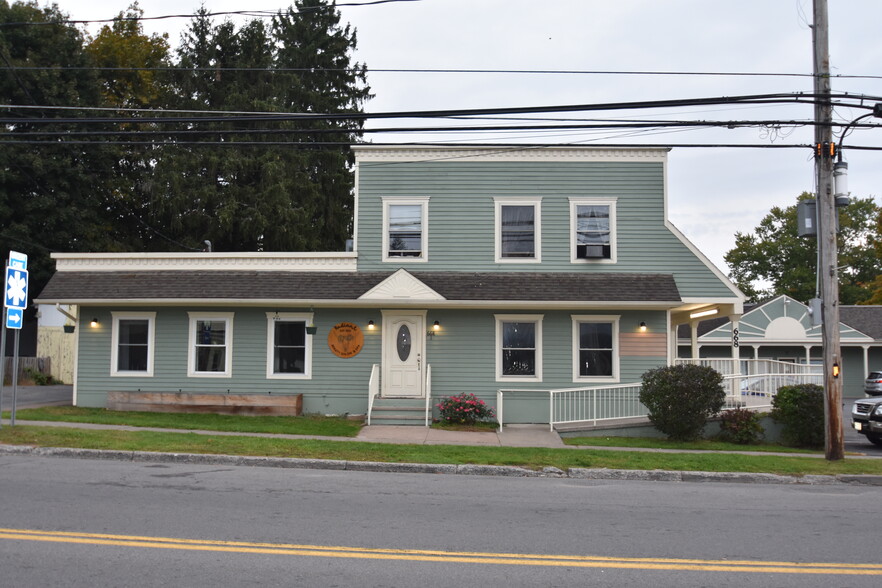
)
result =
(515, 559)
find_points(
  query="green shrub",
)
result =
(741, 426)
(464, 409)
(38, 377)
(681, 398)
(800, 411)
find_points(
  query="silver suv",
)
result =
(866, 418)
(873, 384)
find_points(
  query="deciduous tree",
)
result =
(774, 260)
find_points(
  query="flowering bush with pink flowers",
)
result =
(463, 409)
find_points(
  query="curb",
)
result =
(463, 470)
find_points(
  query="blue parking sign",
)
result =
(16, 288)
(14, 318)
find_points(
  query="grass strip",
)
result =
(533, 458)
(701, 445)
(302, 425)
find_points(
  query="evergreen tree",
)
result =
(295, 195)
(53, 194)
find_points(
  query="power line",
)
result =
(446, 71)
(252, 13)
(777, 98)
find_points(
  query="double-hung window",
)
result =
(595, 348)
(210, 344)
(405, 229)
(288, 349)
(518, 230)
(132, 343)
(593, 230)
(519, 348)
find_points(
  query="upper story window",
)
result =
(132, 344)
(405, 229)
(593, 230)
(595, 348)
(288, 349)
(519, 348)
(210, 344)
(518, 230)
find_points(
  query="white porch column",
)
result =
(808, 354)
(866, 349)
(693, 326)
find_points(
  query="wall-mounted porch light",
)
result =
(371, 325)
(642, 327)
(435, 328)
(94, 323)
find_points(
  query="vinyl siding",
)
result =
(462, 356)
(461, 217)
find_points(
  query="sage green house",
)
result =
(497, 270)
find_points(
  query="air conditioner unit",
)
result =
(590, 252)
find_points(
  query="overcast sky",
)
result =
(712, 192)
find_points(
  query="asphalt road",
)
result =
(70, 522)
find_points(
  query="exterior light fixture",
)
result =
(702, 313)
(371, 325)
(94, 324)
(836, 369)
(435, 328)
(642, 327)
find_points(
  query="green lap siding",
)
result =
(462, 356)
(461, 216)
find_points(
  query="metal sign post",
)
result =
(15, 301)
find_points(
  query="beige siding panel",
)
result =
(54, 343)
(643, 344)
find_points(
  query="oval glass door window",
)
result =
(403, 342)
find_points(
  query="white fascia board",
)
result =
(336, 261)
(518, 153)
(373, 303)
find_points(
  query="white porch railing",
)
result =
(373, 390)
(757, 390)
(428, 395)
(748, 367)
(600, 403)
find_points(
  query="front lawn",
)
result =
(302, 425)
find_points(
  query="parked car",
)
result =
(866, 418)
(873, 384)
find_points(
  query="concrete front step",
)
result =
(389, 414)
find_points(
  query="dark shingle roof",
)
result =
(866, 319)
(293, 286)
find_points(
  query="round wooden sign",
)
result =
(345, 340)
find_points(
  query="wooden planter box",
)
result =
(242, 404)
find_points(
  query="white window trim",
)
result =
(150, 317)
(271, 318)
(228, 344)
(523, 318)
(536, 202)
(596, 318)
(422, 201)
(611, 202)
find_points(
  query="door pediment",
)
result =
(402, 285)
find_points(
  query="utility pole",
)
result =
(828, 273)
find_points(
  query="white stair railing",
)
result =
(428, 395)
(373, 390)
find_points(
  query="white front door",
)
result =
(403, 363)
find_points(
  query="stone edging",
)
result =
(417, 468)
